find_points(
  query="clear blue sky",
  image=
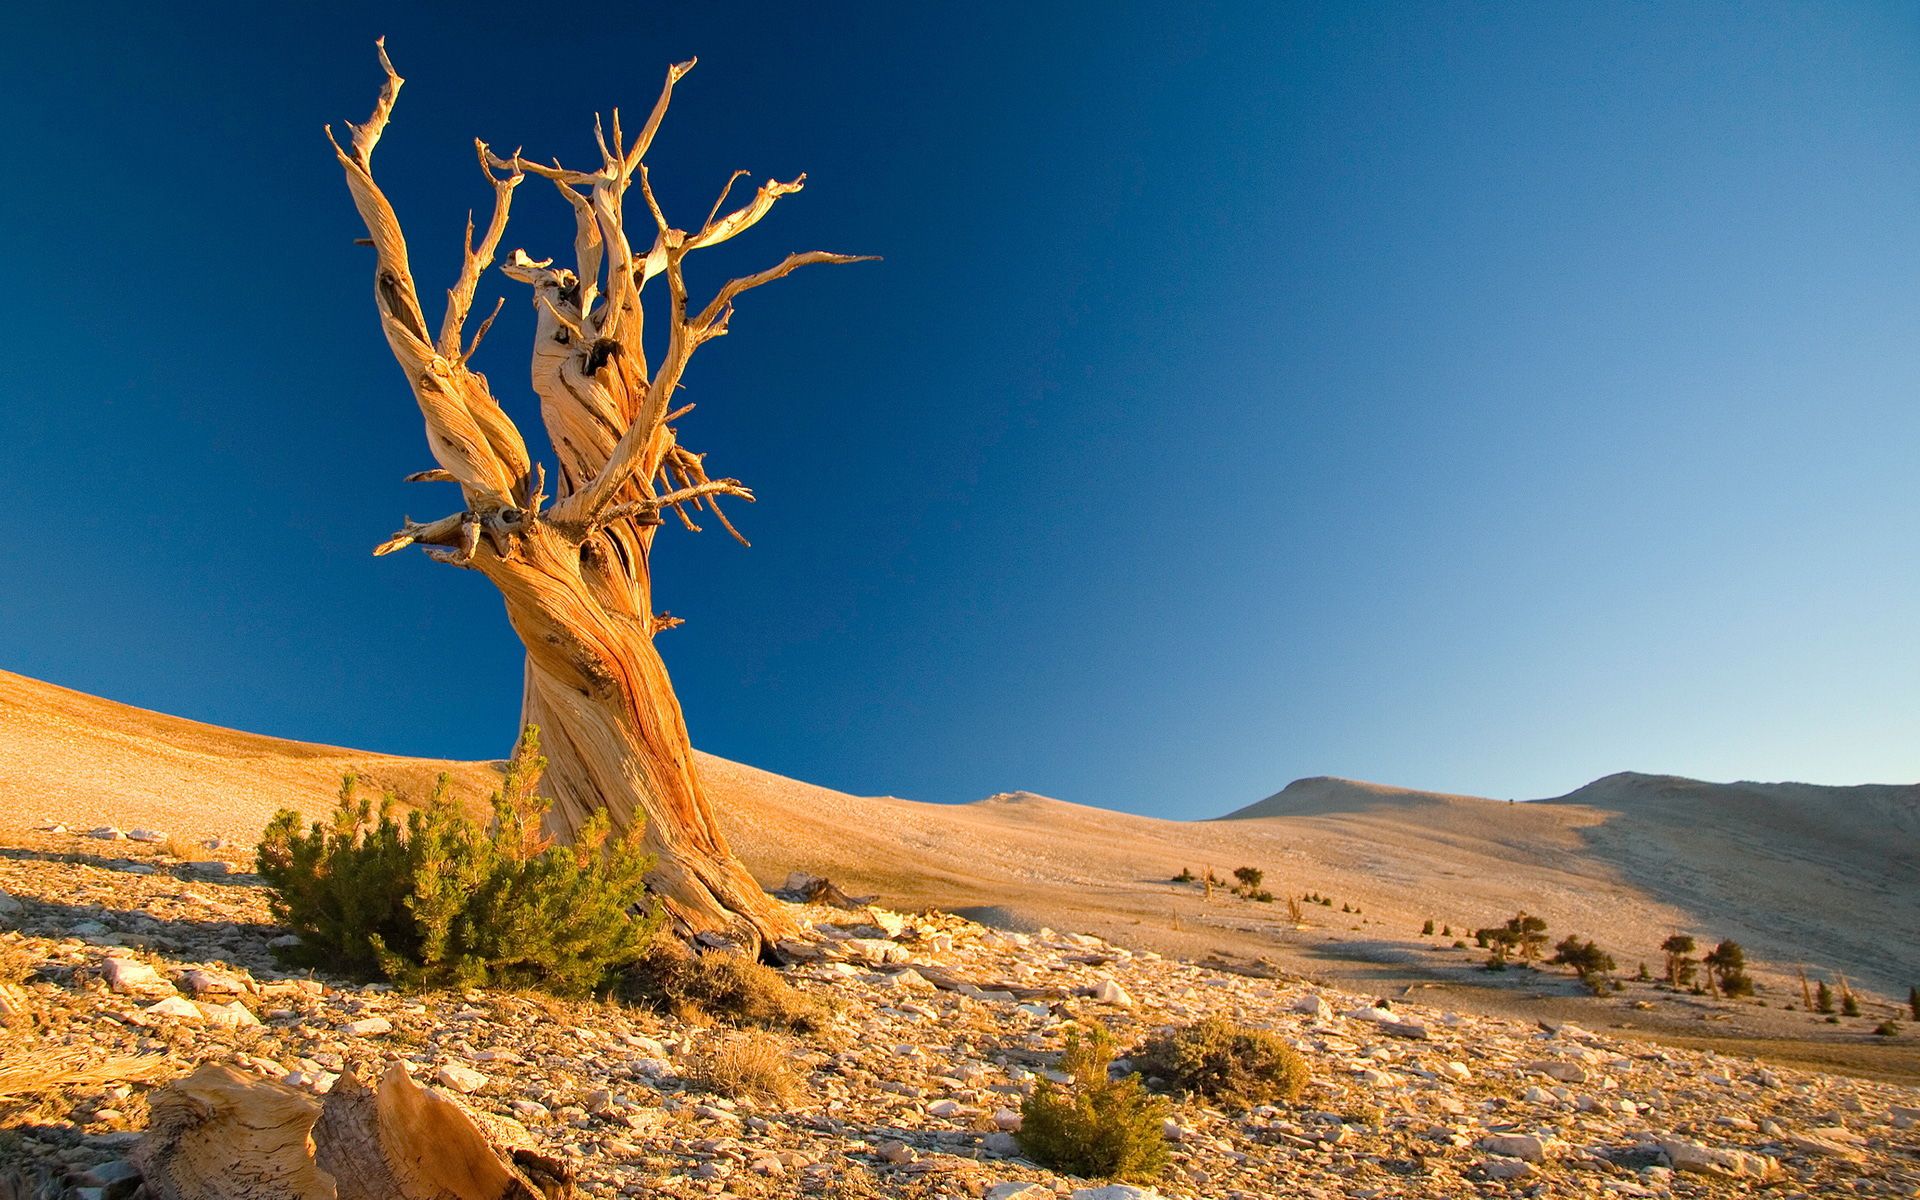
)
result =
(1476, 398)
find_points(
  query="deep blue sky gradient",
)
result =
(1476, 398)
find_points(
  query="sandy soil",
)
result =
(1798, 874)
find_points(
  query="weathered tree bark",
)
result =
(576, 576)
(223, 1134)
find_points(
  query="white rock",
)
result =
(1007, 1119)
(896, 1152)
(1107, 991)
(1506, 1168)
(130, 977)
(1018, 1191)
(1456, 1071)
(367, 1027)
(211, 866)
(1372, 1014)
(1698, 1159)
(232, 1013)
(1116, 1191)
(1516, 1145)
(1832, 1141)
(1565, 1072)
(201, 983)
(146, 835)
(178, 1007)
(107, 833)
(945, 1108)
(460, 1079)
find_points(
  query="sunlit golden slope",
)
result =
(1826, 876)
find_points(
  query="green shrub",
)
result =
(1887, 1029)
(1249, 877)
(1849, 1004)
(1095, 1126)
(1823, 1002)
(443, 902)
(1228, 1063)
(1427, 929)
(723, 987)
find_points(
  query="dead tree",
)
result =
(575, 568)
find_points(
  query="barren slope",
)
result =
(1618, 861)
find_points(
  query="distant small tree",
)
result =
(1727, 969)
(1522, 937)
(1913, 1002)
(1679, 950)
(1427, 929)
(1249, 877)
(1849, 1005)
(1446, 930)
(1823, 998)
(1592, 964)
(1186, 875)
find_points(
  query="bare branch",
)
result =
(476, 260)
(712, 321)
(721, 199)
(466, 430)
(643, 142)
(436, 475)
(444, 532)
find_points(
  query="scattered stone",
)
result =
(367, 1027)
(177, 1008)
(1684, 1154)
(131, 977)
(1107, 991)
(1516, 1145)
(460, 1079)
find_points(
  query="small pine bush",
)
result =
(1224, 1062)
(1427, 929)
(1887, 1029)
(443, 902)
(1249, 877)
(1094, 1126)
(1822, 998)
(1913, 1002)
(1186, 875)
(1849, 1005)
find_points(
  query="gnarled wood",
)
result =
(223, 1134)
(220, 1134)
(577, 576)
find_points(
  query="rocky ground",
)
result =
(145, 962)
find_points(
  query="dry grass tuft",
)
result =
(727, 988)
(752, 1065)
(29, 1068)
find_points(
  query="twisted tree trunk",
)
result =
(576, 576)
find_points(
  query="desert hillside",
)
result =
(1823, 876)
